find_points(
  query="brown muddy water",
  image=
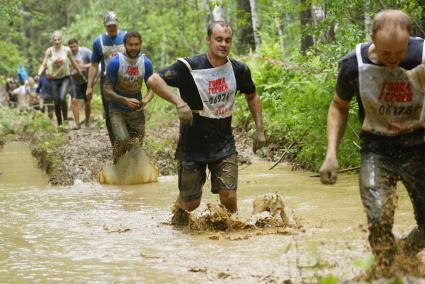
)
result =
(93, 233)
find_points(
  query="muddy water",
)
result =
(89, 232)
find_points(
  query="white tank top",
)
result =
(388, 96)
(110, 51)
(131, 73)
(58, 64)
(217, 89)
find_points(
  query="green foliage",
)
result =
(365, 263)
(295, 101)
(11, 58)
(329, 279)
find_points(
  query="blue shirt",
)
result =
(44, 88)
(97, 55)
(112, 77)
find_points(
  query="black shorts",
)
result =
(192, 176)
(79, 91)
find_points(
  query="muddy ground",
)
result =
(89, 150)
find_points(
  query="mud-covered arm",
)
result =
(160, 87)
(111, 95)
(336, 123)
(254, 105)
(148, 97)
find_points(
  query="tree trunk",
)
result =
(367, 20)
(246, 31)
(329, 33)
(254, 19)
(306, 20)
(281, 33)
(217, 12)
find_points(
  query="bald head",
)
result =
(391, 21)
(390, 36)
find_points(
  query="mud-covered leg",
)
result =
(192, 177)
(378, 193)
(413, 177)
(121, 134)
(224, 181)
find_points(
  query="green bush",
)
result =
(295, 103)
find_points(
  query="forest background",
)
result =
(291, 46)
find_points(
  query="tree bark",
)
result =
(367, 19)
(246, 32)
(306, 20)
(254, 19)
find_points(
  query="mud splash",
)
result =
(134, 167)
(269, 216)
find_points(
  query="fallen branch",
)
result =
(284, 154)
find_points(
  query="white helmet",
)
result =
(110, 18)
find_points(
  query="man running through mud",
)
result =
(82, 56)
(104, 48)
(208, 84)
(125, 75)
(390, 93)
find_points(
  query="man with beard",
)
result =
(386, 76)
(208, 84)
(105, 47)
(125, 75)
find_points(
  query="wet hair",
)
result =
(54, 34)
(72, 41)
(222, 23)
(390, 18)
(132, 34)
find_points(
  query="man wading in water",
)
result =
(379, 74)
(123, 89)
(208, 84)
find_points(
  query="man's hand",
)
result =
(89, 93)
(133, 104)
(259, 140)
(329, 171)
(185, 114)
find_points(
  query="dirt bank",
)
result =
(88, 150)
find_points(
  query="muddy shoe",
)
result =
(180, 217)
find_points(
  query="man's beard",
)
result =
(128, 53)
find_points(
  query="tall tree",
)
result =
(246, 31)
(254, 20)
(306, 19)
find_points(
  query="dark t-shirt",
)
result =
(207, 139)
(347, 85)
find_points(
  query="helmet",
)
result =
(110, 18)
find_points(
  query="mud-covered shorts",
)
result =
(127, 125)
(192, 176)
(78, 91)
(382, 165)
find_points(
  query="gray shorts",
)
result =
(192, 176)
